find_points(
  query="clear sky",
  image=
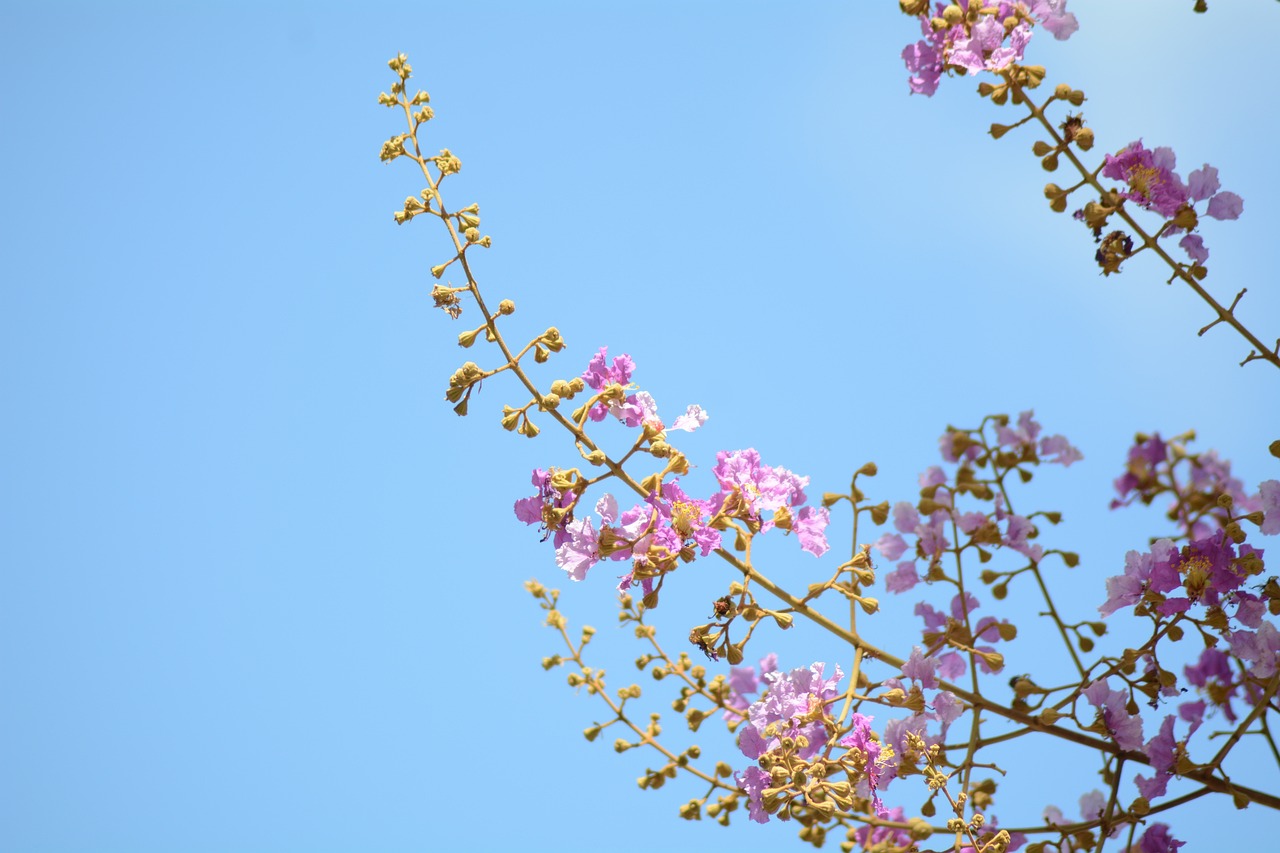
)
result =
(262, 589)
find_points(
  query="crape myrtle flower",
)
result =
(863, 740)
(550, 507)
(1024, 436)
(1212, 677)
(1154, 185)
(1140, 471)
(1150, 177)
(1112, 705)
(1157, 839)
(635, 409)
(796, 705)
(1055, 18)
(981, 45)
(1207, 569)
(1141, 572)
(749, 488)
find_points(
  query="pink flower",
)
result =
(581, 552)
(860, 739)
(1055, 18)
(1158, 840)
(598, 374)
(1150, 177)
(924, 62)
(792, 701)
(1062, 451)
(1025, 433)
(1125, 728)
(922, 669)
(1127, 590)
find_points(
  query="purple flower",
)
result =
(1141, 572)
(861, 739)
(1062, 451)
(581, 552)
(1149, 174)
(1125, 728)
(1158, 840)
(796, 702)
(933, 539)
(687, 517)
(1160, 749)
(762, 487)
(1025, 433)
(1019, 532)
(935, 476)
(1055, 18)
(1212, 676)
(692, 418)
(947, 708)
(1140, 474)
(548, 507)
(922, 669)
(924, 62)
(1269, 491)
(1093, 804)
(598, 374)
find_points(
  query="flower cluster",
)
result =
(1151, 183)
(669, 526)
(927, 522)
(968, 37)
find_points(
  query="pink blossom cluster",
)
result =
(794, 706)
(929, 531)
(669, 526)
(1151, 183)
(638, 408)
(1150, 472)
(984, 45)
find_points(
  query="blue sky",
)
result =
(262, 589)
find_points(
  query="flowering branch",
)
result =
(816, 758)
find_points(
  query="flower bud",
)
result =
(1084, 138)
